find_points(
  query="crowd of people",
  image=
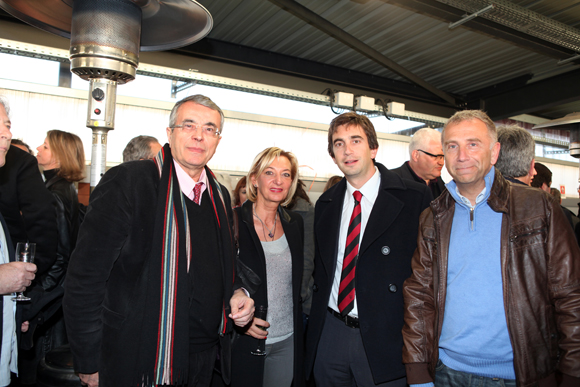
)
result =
(393, 278)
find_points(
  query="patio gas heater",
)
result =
(106, 37)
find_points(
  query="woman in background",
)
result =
(62, 158)
(240, 195)
(271, 247)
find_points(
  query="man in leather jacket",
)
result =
(495, 292)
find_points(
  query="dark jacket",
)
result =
(247, 369)
(28, 207)
(11, 258)
(406, 172)
(105, 286)
(541, 286)
(384, 263)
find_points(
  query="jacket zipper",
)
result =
(471, 217)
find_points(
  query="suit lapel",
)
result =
(385, 210)
(328, 227)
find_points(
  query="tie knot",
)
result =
(357, 196)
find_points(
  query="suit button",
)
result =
(315, 287)
(393, 288)
(385, 250)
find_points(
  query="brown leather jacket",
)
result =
(540, 264)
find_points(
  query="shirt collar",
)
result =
(483, 195)
(370, 189)
(186, 183)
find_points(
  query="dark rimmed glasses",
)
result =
(438, 157)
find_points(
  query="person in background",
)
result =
(62, 159)
(494, 294)
(154, 265)
(22, 145)
(354, 330)
(331, 182)
(543, 178)
(141, 148)
(425, 160)
(302, 205)
(14, 276)
(516, 155)
(271, 245)
(240, 191)
(543, 181)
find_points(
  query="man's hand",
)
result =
(16, 276)
(242, 308)
(90, 380)
(255, 331)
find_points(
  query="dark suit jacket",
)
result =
(11, 258)
(23, 191)
(406, 172)
(105, 287)
(247, 369)
(384, 263)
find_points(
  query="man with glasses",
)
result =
(426, 161)
(150, 294)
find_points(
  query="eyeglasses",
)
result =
(207, 130)
(438, 157)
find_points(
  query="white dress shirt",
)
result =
(370, 191)
(9, 349)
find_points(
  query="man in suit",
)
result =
(354, 335)
(14, 276)
(150, 295)
(28, 206)
(425, 161)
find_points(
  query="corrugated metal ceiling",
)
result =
(457, 61)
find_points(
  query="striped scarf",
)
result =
(168, 282)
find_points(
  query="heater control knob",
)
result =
(98, 94)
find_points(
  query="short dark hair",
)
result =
(139, 148)
(517, 151)
(16, 141)
(353, 119)
(543, 175)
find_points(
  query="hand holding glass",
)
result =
(24, 253)
(261, 312)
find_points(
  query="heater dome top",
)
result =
(165, 25)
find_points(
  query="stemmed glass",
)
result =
(24, 253)
(260, 312)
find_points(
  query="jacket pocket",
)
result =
(112, 319)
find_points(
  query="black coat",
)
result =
(406, 172)
(106, 275)
(28, 207)
(384, 263)
(247, 369)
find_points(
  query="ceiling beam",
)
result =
(289, 65)
(339, 34)
(450, 14)
(535, 96)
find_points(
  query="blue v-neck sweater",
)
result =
(474, 336)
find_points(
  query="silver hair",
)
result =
(517, 151)
(4, 103)
(200, 100)
(470, 115)
(422, 137)
(139, 148)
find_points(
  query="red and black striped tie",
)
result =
(346, 289)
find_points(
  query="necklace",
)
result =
(270, 232)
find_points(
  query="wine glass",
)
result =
(24, 253)
(260, 312)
